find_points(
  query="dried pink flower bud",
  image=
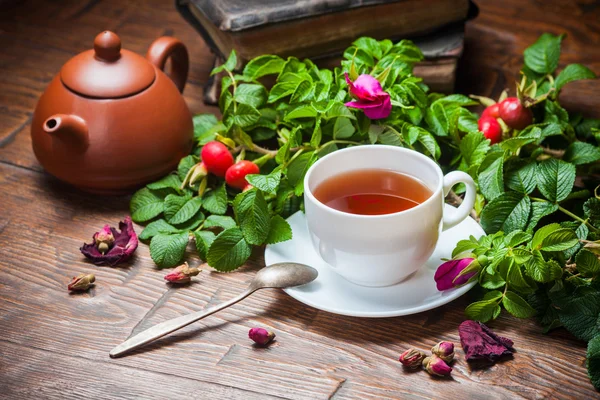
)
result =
(412, 358)
(436, 366)
(261, 336)
(105, 250)
(82, 282)
(104, 239)
(182, 274)
(444, 350)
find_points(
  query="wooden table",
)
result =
(55, 345)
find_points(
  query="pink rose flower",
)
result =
(369, 96)
(446, 274)
(111, 247)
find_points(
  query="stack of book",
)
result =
(322, 29)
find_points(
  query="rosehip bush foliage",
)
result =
(542, 222)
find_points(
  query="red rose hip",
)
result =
(491, 111)
(216, 157)
(236, 174)
(491, 129)
(514, 114)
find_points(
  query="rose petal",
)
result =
(383, 110)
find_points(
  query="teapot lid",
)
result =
(107, 71)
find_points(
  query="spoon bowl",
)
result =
(284, 275)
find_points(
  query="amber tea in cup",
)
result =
(372, 192)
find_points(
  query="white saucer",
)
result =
(330, 292)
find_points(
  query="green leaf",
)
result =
(267, 183)
(588, 263)
(297, 168)
(591, 210)
(515, 278)
(343, 128)
(573, 72)
(337, 110)
(281, 90)
(428, 142)
(492, 281)
(517, 306)
(246, 115)
(252, 215)
(229, 65)
(542, 57)
(179, 209)
(184, 166)
(303, 111)
(593, 361)
(483, 311)
(228, 251)
(542, 233)
(156, 227)
(521, 256)
(580, 315)
(251, 94)
(204, 125)
(168, 182)
(369, 45)
(514, 144)
(264, 65)
(437, 119)
(540, 270)
(579, 153)
(539, 209)
(215, 201)
(317, 135)
(506, 213)
(280, 230)
(303, 92)
(145, 205)
(516, 238)
(473, 148)
(555, 179)
(491, 182)
(221, 221)
(559, 240)
(167, 250)
(521, 177)
(203, 241)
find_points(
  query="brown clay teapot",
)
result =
(111, 120)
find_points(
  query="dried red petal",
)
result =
(480, 343)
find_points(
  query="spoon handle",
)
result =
(164, 328)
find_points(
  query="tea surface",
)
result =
(372, 192)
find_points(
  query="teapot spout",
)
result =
(71, 129)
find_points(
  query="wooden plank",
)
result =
(316, 354)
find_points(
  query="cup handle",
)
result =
(465, 208)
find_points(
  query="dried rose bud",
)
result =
(444, 350)
(111, 247)
(436, 366)
(182, 274)
(412, 358)
(82, 282)
(104, 239)
(261, 336)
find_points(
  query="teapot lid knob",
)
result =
(107, 46)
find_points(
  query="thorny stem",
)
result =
(456, 199)
(553, 153)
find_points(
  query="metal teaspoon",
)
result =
(281, 275)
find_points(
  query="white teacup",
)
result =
(381, 250)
